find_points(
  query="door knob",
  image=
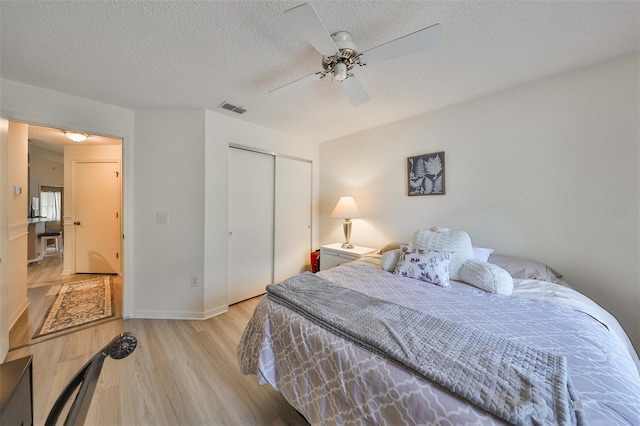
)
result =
(76, 223)
(230, 233)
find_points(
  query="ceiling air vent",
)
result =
(228, 106)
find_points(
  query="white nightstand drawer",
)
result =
(332, 255)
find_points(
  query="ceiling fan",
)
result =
(340, 55)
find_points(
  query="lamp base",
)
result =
(346, 226)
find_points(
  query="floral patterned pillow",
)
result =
(426, 265)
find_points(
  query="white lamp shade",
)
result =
(346, 208)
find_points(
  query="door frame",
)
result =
(126, 164)
(4, 240)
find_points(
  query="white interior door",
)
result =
(251, 194)
(292, 217)
(96, 200)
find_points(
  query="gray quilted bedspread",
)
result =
(514, 380)
(332, 380)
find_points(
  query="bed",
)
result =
(569, 361)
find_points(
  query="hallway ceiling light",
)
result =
(76, 136)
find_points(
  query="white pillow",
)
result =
(482, 253)
(389, 259)
(487, 276)
(442, 239)
(426, 265)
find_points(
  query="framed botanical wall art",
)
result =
(425, 174)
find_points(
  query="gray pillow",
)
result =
(389, 260)
(523, 268)
(390, 246)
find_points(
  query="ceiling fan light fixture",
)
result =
(76, 136)
(340, 72)
(340, 54)
(343, 41)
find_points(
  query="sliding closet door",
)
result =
(251, 195)
(292, 243)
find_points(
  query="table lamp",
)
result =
(347, 209)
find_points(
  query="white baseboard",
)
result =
(16, 316)
(180, 315)
(216, 311)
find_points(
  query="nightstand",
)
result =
(333, 255)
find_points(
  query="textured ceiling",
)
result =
(184, 54)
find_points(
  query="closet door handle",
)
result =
(230, 233)
(76, 223)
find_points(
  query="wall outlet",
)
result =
(194, 281)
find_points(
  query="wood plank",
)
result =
(182, 372)
(43, 284)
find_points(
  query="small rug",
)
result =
(79, 303)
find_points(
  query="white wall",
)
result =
(17, 154)
(547, 170)
(45, 168)
(181, 168)
(169, 178)
(36, 105)
(21, 102)
(221, 131)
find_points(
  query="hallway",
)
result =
(43, 284)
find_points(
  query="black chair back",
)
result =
(87, 379)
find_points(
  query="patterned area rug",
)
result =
(79, 303)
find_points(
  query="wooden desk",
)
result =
(16, 392)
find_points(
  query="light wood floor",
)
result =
(181, 373)
(43, 284)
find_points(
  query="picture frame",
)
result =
(426, 174)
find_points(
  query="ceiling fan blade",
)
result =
(419, 41)
(307, 22)
(296, 84)
(354, 91)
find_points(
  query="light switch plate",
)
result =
(162, 218)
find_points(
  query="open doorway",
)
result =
(52, 264)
